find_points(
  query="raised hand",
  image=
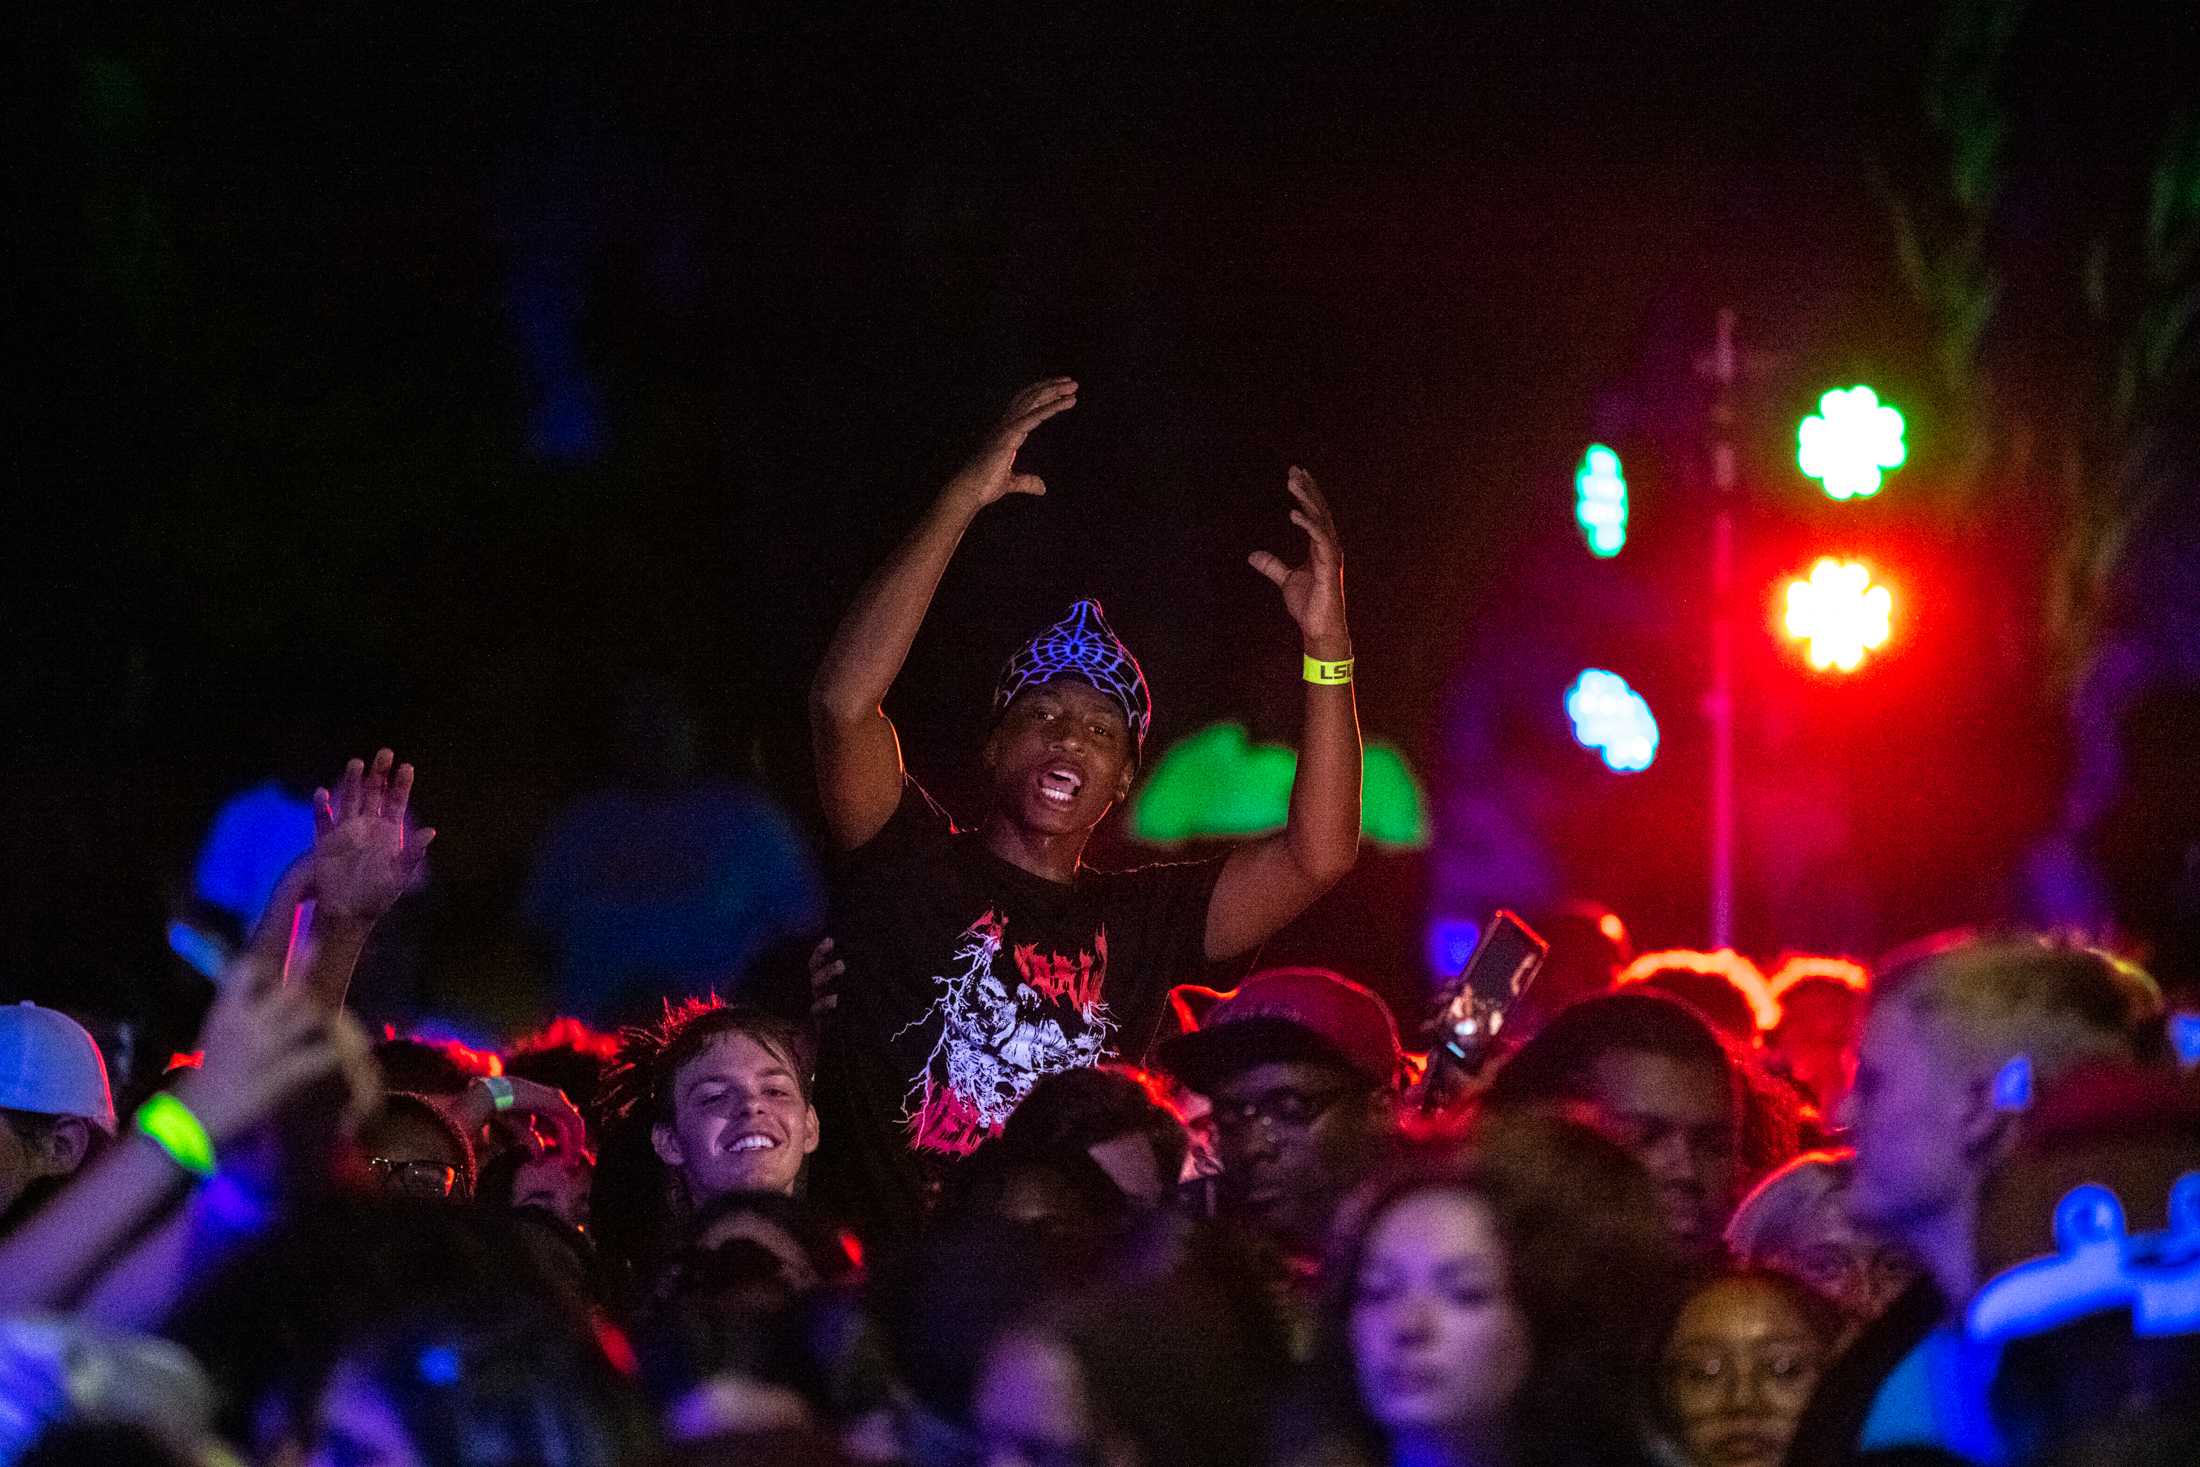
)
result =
(364, 857)
(264, 1043)
(991, 475)
(532, 1101)
(1314, 592)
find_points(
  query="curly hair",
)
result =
(1591, 1266)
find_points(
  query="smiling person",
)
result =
(724, 1090)
(978, 959)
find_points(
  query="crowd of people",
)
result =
(1043, 1169)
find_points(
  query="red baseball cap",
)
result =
(1286, 1014)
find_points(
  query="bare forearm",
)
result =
(136, 1290)
(867, 652)
(1323, 832)
(1267, 882)
(46, 1262)
(323, 965)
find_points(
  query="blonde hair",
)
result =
(1771, 1219)
(2055, 1002)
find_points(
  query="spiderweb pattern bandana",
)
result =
(1081, 645)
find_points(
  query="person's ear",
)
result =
(1123, 783)
(1985, 1130)
(809, 1117)
(667, 1146)
(62, 1149)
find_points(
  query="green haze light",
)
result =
(1217, 784)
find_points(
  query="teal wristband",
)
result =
(168, 1123)
(500, 1090)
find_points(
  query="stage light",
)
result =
(1838, 614)
(2184, 1037)
(1809, 967)
(1850, 443)
(1450, 941)
(1600, 501)
(1217, 784)
(1613, 719)
(1726, 963)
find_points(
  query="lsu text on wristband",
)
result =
(1326, 674)
(168, 1123)
(500, 1091)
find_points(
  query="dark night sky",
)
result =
(277, 274)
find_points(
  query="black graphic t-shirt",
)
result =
(967, 979)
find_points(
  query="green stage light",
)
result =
(1217, 784)
(1600, 501)
(1850, 443)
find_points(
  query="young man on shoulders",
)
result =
(978, 959)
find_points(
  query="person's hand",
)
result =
(364, 857)
(532, 1101)
(264, 1044)
(991, 475)
(1314, 592)
(825, 971)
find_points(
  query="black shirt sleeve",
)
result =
(1162, 909)
(918, 822)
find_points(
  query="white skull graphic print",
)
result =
(999, 1033)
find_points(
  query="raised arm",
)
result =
(365, 856)
(265, 1045)
(1267, 882)
(858, 756)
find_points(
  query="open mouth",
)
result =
(754, 1141)
(1059, 784)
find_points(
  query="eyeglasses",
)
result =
(1286, 1109)
(416, 1178)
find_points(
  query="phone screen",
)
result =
(1506, 960)
(1503, 965)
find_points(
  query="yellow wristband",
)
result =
(1327, 674)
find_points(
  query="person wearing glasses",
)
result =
(413, 1149)
(1304, 1070)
